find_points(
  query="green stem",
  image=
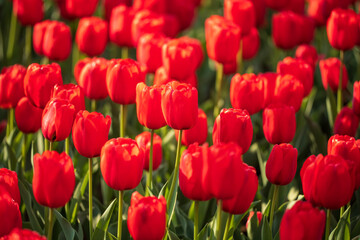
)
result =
(23, 151)
(218, 218)
(240, 58)
(341, 211)
(176, 169)
(122, 120)
(46, 219)
(51, 146)
(51, 223)
(120, 211)
(149, 176)
(12, 34)
(93, 105)
(11, 119)
(218, 88)
(8, 125)
(27, 52)
(124, 52)
(339, 91)
(273, 204)
(46, 144)
(227, 228)
(67, 145)
(196, 220)
(90, 198)
(327, 228)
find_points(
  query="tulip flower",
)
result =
(320, 10)
(242, 13)
(120, 26)
(356, 98)
(109, 5)
(143, 141)
(303, 221)
(72, 93)
(158, 6)
(183, 10)
(92, 29)
(330, 72)
(289, 91)
(28, 12)
(39, 82)
(279, 124)
(346, 122)
(247, 92)
(233, 125)
(276, 4)
(10, 216)
(270, 80)
(228, 68)
(28, 117)
(9, 180)
(146, 217)
(250, 44)
(17, 233)
(308, 54)
(11, 85)
(81, 8)
(161, 77)
(286, 32)
(38, 36)
(198, 133)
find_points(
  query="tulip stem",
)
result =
(227, 228)
(124, 52)
(218, 217)
(218, 88)
(328, 220)
(90, 198)
(273, 204)
(93, 105)
(149, 177)
(12, 33)
(27, 51)
(339, 91)
(196, 220)
(51, 223)
(120, 211)
(46, 144)
(176, 169)
(341, 211)
(51, 146)
(11, 119)
(67, 145)
(122, 120)
(23, 151)
(240, 58)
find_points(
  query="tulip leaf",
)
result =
(78, 195)
(10, 155)
(103, 224)
(66, 227)
(266, 233)
(316, 135)
(253, 229)
(331, 106)
(172, 235)
(342, 230)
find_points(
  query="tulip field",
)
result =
(179, 119)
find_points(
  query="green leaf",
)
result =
(331, 106)
(172, 235)
(342, 230)
(66, 227)
(78, 195)
(10, 155)
(316, 135)
(253, 230)
(266, 233)
(267, 209)
(102, 226)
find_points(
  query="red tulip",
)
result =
(327, 181)
(281, 165)
(28, 12)
(143, 141)
(90, 74)
(120, 26)
(300, 70)
(81, 8)
(233, 125)
(162, 78)
(346, 122)
(39, 82)
(320, 10)
(245, 194)
(90, 132)
(242, 13)
(109, 5)
(158, 6)
(121, 163)
(181, 57)
(251, 214)
(198, 133)
(269, 80)
(53, 179)
(28, 117)
(342, 29)
(229, 68)
(289, 91)
(247, 92)
(183, 10)
(10, 216)
(11, 85)
(297, 6)
(303, 221)
(276, 4)
(179, 103)
(330, 73)
(222, 39)
(72, 93)
(279, 124)
(121, 79)
(192, 174)
(57, 119)
(38, 36)
(260, 11)
(9, 180)
(308, 54)
(23, 234)
(92, 29)
(147, 217)
(356, 98)
(250, 44)
(148, 106)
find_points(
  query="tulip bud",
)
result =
(281, 165)
(90, 74)
(148, 106)
(229, 68)
(276, 4)
(342, 29)
(39, 82)
(109, 5)
(81, 8)
(121, 79)
(181, 57)
(330, 73)
(10, 216)
(158, 6)
(11, 85)
(198, 133)
(279, 124)
(20, 234)
(245, 194)
(121, 163)
(356, 98)
(222, 39)
(260, 10)
(179, 103)
(9, 180)
(289, 91)
(300, 70)
(120, 26)
(143, 141)
(90, 30)
(242, 13)
(162, 78)
(308, 54)
(233, 125)
(327, 181)
(53, 179)
(297, 6)
(72, 93)
(90, 132)
(38, 36)
(270, 80)
(286, 29)
(250, 44)
(27, 116)
(28, 12)
(146, 217)
(303, 221)
(346, 122)
(247, 92)
(183, 10)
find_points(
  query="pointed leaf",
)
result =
(66, 227)
(102, 226)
